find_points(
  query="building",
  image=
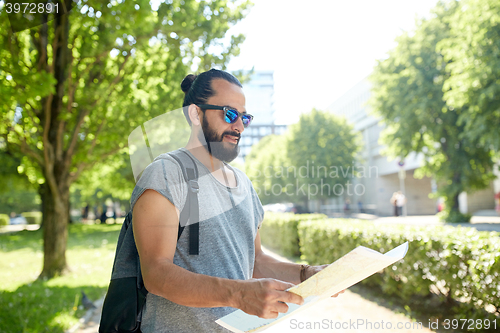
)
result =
(259, 95)
(383, 176)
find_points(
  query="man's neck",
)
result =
(216, 167)
(201, 153)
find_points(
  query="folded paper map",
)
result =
(355, 266)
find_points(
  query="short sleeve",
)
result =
(165, 177)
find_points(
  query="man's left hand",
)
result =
(311, 270)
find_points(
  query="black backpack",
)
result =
(126, 296)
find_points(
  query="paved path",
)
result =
(18, 227)
(480, 223)
(349, 310)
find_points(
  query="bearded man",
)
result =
(189, 291)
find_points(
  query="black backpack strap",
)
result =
(191, 207)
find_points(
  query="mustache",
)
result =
(235, 134)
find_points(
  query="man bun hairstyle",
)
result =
(198, 88)
(187, 82)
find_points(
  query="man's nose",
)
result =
(238, 125)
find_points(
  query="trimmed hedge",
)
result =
(33, 217)
(459, 264)
(4, 219)
(280, 231)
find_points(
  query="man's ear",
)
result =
(194, 115)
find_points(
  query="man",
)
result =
(394, 202)
(187, 293)
(400, 202)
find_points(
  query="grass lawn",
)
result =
(28, 305)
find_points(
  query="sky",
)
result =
(319, 49)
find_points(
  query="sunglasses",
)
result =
(230, 115)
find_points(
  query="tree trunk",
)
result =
(41, 193)
(56, 167)
(55, 232)
(456, 204)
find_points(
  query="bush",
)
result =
(454, 217)
(33, 217)
(279, 231)
(4, 219)
(461, 265)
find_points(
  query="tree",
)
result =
(408, 93)
(472, 52)
(74, 87)
(266, 165)
(314, 159)
(323, 149)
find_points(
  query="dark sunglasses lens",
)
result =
(231, 116)
(246, 120)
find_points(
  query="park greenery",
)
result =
(446, 267)
(111, 179)
(270, 153)
(471, 52)
(74, 87)
(281, 232)
(17, 194)
(443, 270)
(437, 92)
(30, 305)
(314, 159)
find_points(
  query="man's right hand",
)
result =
(265, 298)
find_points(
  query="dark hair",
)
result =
(198, 88)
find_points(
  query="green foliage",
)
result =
(4, 219)
(122, 73)
(19, 200)
(326, 145)
(460, 265)
(315, 159)
(454, 216)
(72, 90)
(49, 306)
(472, 54)
(17, 194)
(408, 93)
(33, 217)
(112, 178)
(266, 166)
(279, 231)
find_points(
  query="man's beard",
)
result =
(224, 151)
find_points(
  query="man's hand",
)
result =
(311, 270)
(265, 298)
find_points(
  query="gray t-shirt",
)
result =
(229, 220)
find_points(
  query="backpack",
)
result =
(126, 296)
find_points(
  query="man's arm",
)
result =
(155, 223)
(267, 266)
